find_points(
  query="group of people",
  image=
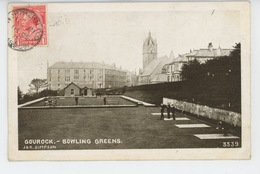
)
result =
(170, 109)
(50, 102)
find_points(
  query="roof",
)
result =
(82, 65)
(150, 40)
(191, 53)
(202, 53)
(80, 86)
(183, 57)
(71, 84)
(155, 66)
(159, 78)
(212, 53)
(179, 59)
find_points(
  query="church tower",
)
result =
(149, 50)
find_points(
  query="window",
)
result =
(59, 78)
(50, 78)
(67, 79)
(59, 86)
(76, 78)
(178, 77)
(72, 91)
(58, 71)
(176, 67)
(76, 71)
(179, 67)
(67, 71)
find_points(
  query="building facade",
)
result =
(85, 74)
(202, 55)
(131, 79)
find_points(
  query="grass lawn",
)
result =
(70, 101)
(135, 127)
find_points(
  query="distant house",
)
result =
(77, 90)
(174, 68)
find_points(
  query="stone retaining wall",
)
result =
(205, 111)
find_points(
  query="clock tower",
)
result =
(149, 50)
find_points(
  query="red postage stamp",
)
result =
(29, 23)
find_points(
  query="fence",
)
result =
(205, 111)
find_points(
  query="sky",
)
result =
(117, 37)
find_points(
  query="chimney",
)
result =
(210, 47)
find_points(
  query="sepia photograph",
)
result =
(128, 79)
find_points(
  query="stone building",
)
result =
(88, 74)
(153, 67)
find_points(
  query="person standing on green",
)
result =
(77, 100)
(173, 111)
(162, 112)
(168, 111)
(105, 101)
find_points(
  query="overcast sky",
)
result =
(117, 37)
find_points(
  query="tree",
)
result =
(218, 79)
(37, 84)
(19, 92)
(48, 92)
(191, 70)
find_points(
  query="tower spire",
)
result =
(149, 50)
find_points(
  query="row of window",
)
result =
(174, 67)
(90, 78)
(90, 71)
(76, 78)
(173, 78)
(98, 85)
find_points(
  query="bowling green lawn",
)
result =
(130, 128)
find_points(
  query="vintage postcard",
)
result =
(129, 81)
